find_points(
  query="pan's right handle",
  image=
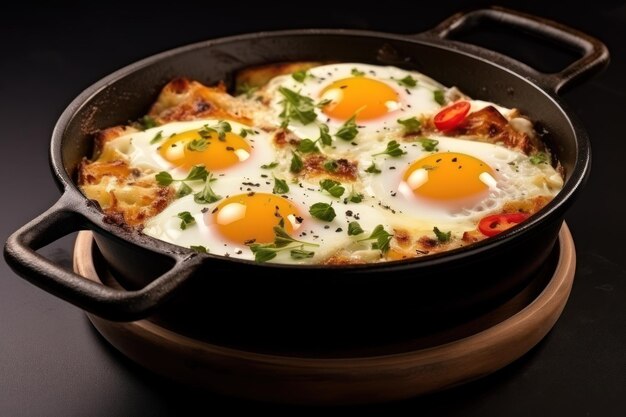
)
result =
(594, 54)
(62, 219)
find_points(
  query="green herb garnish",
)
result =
(442, 237)
(307, 145)
(439, 97)
(157, 137)
(354, 229)
(348, 130)
(355, 197)
(296, 163)
(245, 132)
(331, 166)
(299, 76)
(322, 211)
(407, 81)
(271, 165)
(282, 242)
(357, 73)
(186, 219)
(247, 89)
(206, 196)
(332, 187)
(411, 125)
(147, 122)
(393, 149)
(296, 106)
(381, 237)
(429, 145)
(196, 173)
(199, 248)
(280, 186)
(539, 158)
(373, 169)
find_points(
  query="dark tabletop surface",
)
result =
(53, 363)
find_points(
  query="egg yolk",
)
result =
(449, 176)
(250, 218)
(364, 97)
(205, 147)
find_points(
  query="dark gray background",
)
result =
(53, 363)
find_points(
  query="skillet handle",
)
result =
(62, 219)
(594, 54)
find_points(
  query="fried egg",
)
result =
(241, 218)
(375, 96)
(457, 183)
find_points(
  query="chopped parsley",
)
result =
(271, 165)
(539, 158)
(186, 219)
(323, 211)
(355, 72)
(196, 173)
(411, 125)
(157, 137)
(245, 132)
(393, 149)
(282, 242)
(147, 122)
(247, 89)
(332, 187)
(381, 237)
(331, 166)
(280, 186)
(296, 163)
(354, 229)
(373, 169)
(199, 248)
(442, 237)
(206, 195)
(439, 97)
(348, 130)
(307, 146)
(355, 197)
(407, 81)
(299, 76)
(429, 145)
(296, 107)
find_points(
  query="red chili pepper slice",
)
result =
(497, 223)
(451, 116)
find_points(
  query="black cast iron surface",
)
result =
(52, 363)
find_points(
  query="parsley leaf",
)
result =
(373, 169)
(296, 163)
(348, 130)
(393, 149)
(429, 145)
(307, 145)
(411, 125)
(331, 165)
(199, 248)
(324, 136)
(357, 73)
(407, 81)
(332, 187)
(183, 190)
(382, 238)
(442, 237)
(280, 186)
(282, 241)
(186, 219)
(439, 97)
(196, 173)
(301, 254)
(147, 122)
(247, 89)
(299, 76)
(157, 137)
(206, 196)
(322, 211)
(198, 145)
(245, 132)
(355, 197)
(354, 229)
(539, 158)
(296, 106)
(271, 165)
(164, 178)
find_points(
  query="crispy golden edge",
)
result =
(257, 76)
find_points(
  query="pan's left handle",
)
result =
(594, 55)
(63, 218)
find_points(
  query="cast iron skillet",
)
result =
(216, 292)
